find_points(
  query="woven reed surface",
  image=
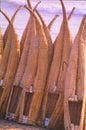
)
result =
(5, 125)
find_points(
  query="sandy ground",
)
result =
(9, 125)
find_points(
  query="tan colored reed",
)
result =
(11, 68)
(71, 13)
(3, 65)
(31, 66)
(54, 70)
(67, 43)
(5, 37)
(72, 79)
(1, 45)
(40, 78)
(49, 39)
(32, 60)
(26, 28)
(21, 68)
(52, 21)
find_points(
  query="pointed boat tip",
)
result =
(14, 15)
(32, 14)
(40, 18)
(63, 10)
(5, 15)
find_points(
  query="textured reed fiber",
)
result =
(48, 37)
(6, 52)
(52, 21)
(31, 68)
(22, 65)
(11, 69)
(56, 16)
(71, 13)
(1, 45)
(5, 37)
(74, 82)
(32, 60)
(26, 28)
(69, 17)
(23, 59)
(20, 70)
(1, 53)
(50, 49)
(40, 78)
(58, 111)
(54, 70)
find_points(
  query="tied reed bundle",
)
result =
(6, 46)
(30, 72)
(55, 86)
(56, 16)
(24, 35)
(75, 84)
(5, 37)
(5, 56)
(17, 88)
(11, 69)
(52, 21)
(49, 39)
(24, 54)
(6, 52)
(61, 79)
(1, 53)
(1, 45)
(41, 73)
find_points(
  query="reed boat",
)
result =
(48, 36)
(11, 68)
(29, 74)
(24, 52)
(55, 86)
(1, 53)
(6, 48)
(1, 44)
(5, 36)
(52, 21)
(75, 84)
(39, 79)
(24, 35)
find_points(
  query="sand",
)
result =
(9, 125)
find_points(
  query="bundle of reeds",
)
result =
(24, 35)
(16, 91)
(11, 68)
(75, 84)
(29, 74)
(49, 39)
(1, 45)
(5, 36)
(55, 85)
(5, 57)
(52, 21)
(56, 16)
(40, 79)
(3, 65)
(40, 76)
(7, 39)
(1, 53)
(61, 79)
(17, 87)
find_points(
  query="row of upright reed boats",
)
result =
(43, 83)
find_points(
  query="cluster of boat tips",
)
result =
(43, 82)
